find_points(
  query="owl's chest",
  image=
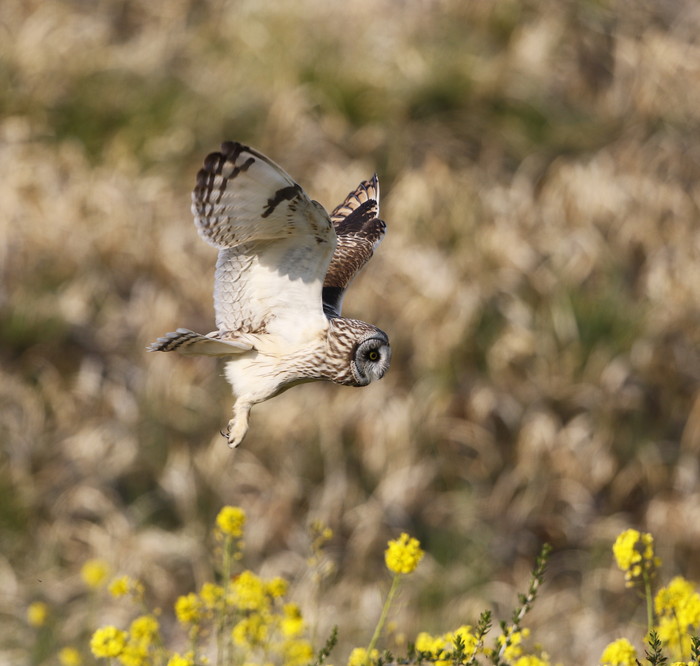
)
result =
(269, 371)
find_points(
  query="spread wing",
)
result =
(359, 233)
(190, 343)
(274, 243)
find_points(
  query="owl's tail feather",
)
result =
(188, 342)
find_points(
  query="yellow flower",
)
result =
(619, 653)
(37, 612)
(297, 653)
(277, 587)
(181, 660)
(634, 553)
(94, 573)
(69, 656)
(188, 609)
(119, 587)
(108, 642)
(134, 654)
(250, 631)
(249, 592)
(531, 660)
(436, 646)
(465, 633)
(678, 609)
(403, 554)
(431, 644)
(292, 621)
(512, 641)
(358, 657)
(124, 585)
(680, 599)
(211, 594)
(144, 629)
(624, 549)
(231, 520)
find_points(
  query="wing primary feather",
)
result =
(359, 232)
(366, 192)
(188, 342)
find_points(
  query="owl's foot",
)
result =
(238, 425)
(232, 434)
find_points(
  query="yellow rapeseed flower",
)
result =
(678, 608)
(134, 654)
(123, 585)
(211, 594)
(69, 656)
(119, 587)
(680, 599)
(513, 643)
(188, 609)
(634, 553)
(531, 660)
(435, 646)
(619, 653)
(108, 642)
(625, 551)
(297, 653)
(277, 587)
(95, 573)
(251, 630)
(292, 622)
(359, 657)
(181, 660)
(431, 644)
(673, 635)
(231, 520)
(465, 633)
(248, 592)
(37, 612)
(144, 629)
(403, 554)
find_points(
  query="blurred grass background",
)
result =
(540, 283)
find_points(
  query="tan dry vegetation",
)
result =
(540, 283)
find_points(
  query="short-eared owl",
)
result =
(281, 273)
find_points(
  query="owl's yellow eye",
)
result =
(373, 355)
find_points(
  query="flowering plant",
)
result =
(248, 620)
(672, 615)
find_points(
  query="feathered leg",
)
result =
(238, 425)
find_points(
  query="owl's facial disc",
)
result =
(371, 359)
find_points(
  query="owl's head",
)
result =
(370, 357)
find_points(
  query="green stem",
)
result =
(383, 616)
(650, 603)
(221, 643)
(680, 634)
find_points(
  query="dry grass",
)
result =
(540, 282)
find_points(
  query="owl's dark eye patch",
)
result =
(373, 355)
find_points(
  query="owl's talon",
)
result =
(236, 430)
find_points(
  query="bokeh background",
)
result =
(540, 281)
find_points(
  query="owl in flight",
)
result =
(283, 267)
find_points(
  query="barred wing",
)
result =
(274, 243)
(359, 233)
